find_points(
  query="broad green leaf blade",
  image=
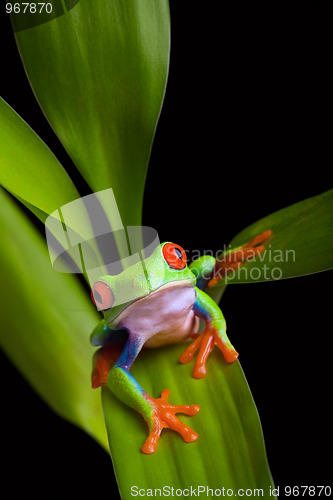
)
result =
(46, 319)
(99, 73)
(301, 242)
(230, 449)
(28, 168)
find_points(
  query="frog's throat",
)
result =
(187, 283)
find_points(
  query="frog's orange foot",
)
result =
(234, 259)
(164, 417)
(206, 342)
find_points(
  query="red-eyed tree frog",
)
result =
(168, 313)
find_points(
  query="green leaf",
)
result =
(301, 242)
(230, 449)
(99, 73)
(28, 168)
(46, 320)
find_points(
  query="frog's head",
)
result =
(165, 267)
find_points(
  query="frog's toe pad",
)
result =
(231, 355)
(164, 416)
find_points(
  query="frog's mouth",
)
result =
(185, 283)
(170, 284)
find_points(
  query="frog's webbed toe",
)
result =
(164, 416)
(206, 342)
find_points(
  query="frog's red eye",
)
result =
(174, 255)
(102, 295)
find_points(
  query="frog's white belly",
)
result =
(164, 317)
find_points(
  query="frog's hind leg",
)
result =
(112, 343)
(158, 413)
(233, 259)
(104, 358)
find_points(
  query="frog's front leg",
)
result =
(158, 413)
(214, 334)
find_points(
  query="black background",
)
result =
(244, 131)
